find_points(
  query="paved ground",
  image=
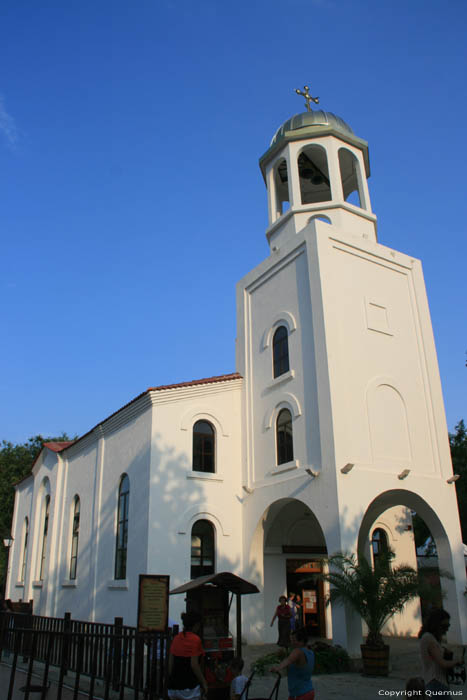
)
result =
(404, 664)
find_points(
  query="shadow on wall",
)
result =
(170, 550)
(155, 541)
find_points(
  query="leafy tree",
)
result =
(15, 463)
(458, 444)
(422, 535)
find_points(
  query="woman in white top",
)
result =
(434, 665)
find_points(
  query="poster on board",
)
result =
(310, 601)
(153, 603)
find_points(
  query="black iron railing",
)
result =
(121, 658)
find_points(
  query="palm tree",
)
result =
(375, 593)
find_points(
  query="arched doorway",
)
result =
(290, 542)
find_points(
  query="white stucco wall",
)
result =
(179, 496)
(16, 588)
(91, 469)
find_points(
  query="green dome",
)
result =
(315, 118)
(311, 125)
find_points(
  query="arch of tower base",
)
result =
(289, 549)
(450, 559)
(287, 552)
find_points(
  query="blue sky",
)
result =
(131, 200)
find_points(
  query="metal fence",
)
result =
(127, 663)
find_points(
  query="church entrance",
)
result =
(291, 543)
(303, 580)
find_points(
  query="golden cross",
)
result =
(307, 97)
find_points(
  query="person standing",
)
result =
(293, 608)
(298, 611)
(186, 680)
(299, 664)
(283, 614)
(434, 663)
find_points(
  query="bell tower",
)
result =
(317, 168)
(343, 418)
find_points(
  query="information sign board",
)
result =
(153, 603)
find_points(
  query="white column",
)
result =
(346, 624)
(294, 180)
(331, 148)
(272, 195)
(363, 183)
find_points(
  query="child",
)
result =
(239, 681)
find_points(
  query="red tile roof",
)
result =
(195, 382)
(58, 446)
(55, 447)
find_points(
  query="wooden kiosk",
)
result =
(211, 596)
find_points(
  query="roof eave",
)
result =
(309, 133)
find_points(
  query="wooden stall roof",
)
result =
(225, 580)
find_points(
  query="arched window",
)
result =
(122, 528)
(314, 175)
(284, 437)
(45, 532)
(203, 447)
(379, 543)
(280, 351)
(74, 538)
(25, 549)
(202, 549)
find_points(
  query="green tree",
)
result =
(376, 593)
(458, 444)
(15, 463)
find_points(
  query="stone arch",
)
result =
(278, 181)
(320, 217)
(286, 530)
(281, 185)
(196, 413)
(283, 318)
(288, 401)
(313, 172)
(449, 558)
(351, 177)
(203, 512)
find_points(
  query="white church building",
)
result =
(331, 429)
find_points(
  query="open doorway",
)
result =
(303, 580)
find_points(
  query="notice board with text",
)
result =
(153, 603)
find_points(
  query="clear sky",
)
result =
(131, 200)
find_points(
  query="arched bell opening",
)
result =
(351, 178)
(281, 184)
(313, 171)
(392, 513)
